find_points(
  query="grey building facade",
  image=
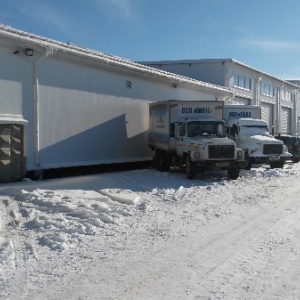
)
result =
(279, 99)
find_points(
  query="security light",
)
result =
(29, 51)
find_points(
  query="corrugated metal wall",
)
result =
(267, 114)
(285, 124)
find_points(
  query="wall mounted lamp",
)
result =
(29, 51)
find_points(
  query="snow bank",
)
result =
(61, 217)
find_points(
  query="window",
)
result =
(267, 89)
(242, 82)
(286, 96)
(182, 129)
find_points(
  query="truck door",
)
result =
(180, 144)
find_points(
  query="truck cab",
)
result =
(198, 132)
(260, 146)
(293, 145)
(201, 145)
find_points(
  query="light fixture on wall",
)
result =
(29, 51)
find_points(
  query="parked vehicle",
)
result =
(191, 135)
(293, 145)
(245, 127)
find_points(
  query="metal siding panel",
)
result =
(242, 101)
(89, 115)
(78, 127)
(267, 114)
(212, 72)
(11, 82)
(285, 126)
(17, 92)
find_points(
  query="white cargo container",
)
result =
(65, 106)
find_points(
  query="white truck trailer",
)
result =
(245, 127)
(191, 135)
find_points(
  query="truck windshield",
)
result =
(206, 128)
(250, 130)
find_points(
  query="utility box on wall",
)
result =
(11, 152)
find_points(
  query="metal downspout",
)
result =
(295, 129)
(36, 105)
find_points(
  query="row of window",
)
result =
(243, 82)
(265, 89)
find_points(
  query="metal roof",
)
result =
(100, 57)
(221, 60)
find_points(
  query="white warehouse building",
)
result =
(62, 105)
(279, 99)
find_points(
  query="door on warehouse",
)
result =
(267, 114)
(285, 124)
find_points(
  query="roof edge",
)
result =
(53, 45)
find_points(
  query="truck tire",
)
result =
(36, 175)
(233, 173)
(249, 165)
(189, 168)
(277, 164)
(161, 161)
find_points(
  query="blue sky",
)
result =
(262, 34)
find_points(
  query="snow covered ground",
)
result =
(149, 235)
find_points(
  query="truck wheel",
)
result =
(233, 173)
(36, 175)
(161, 161)
(277, 164)
(249, 165)
(189, 168)
(157, 160)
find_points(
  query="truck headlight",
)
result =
(240, 154)
(197, 155)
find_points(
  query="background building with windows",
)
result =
(279, 99)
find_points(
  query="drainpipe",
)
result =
(278, 107)
(36, 105)
(257, 90)
(295, 116)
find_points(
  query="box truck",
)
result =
(245, 127)
(191, 135)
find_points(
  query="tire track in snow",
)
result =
(228, 263)
(15, 270)
(239, 272)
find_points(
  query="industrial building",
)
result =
(62, 105)
(279, 99)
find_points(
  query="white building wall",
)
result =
(80, 111)
(108, 108)
(16, 81)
